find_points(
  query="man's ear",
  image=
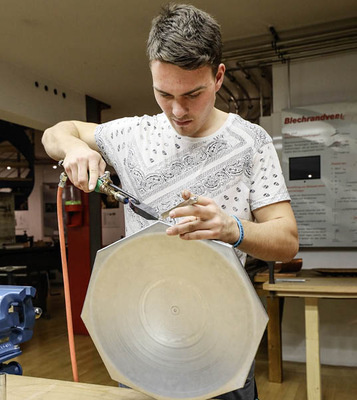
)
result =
(220, 76)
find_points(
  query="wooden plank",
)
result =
(16, 179)
(313, 372)
(14, 164)
(22, 387)
(322, 295)
(264, 276)
(330, 285)
(274, 339)
(8, 148)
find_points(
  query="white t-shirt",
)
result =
(237, 166)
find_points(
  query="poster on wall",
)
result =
(319, 162)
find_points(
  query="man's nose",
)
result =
(179, 109)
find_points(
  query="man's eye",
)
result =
(165, 95)
(194, 96)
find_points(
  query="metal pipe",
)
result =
(346, 34)
(272, 59)
(289, 85)
(252, 79)
(233, 79)
(231, 97)
(224, 100)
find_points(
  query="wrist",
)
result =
(241, 232)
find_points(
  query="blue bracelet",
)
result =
(241, 232)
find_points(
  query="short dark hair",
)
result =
(186, 37)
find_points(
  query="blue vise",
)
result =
(17, 318)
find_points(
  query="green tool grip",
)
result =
(97, 186)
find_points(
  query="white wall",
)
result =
(113, 224)
(23, 103)
(316, 81)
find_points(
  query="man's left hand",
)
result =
(203, 220)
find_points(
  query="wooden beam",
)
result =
(274, 305)
(313, 372)
(14, 164)
(8, 148)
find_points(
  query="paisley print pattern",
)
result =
(237, 166)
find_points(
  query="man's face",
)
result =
(187, 97)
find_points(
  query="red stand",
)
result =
(79, 262)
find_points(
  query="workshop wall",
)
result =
(316, 81)
(323, 80)
(33, 101)
(36, 102)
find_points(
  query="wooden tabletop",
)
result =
(310, 284)
(28, 388)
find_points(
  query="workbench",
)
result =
(311, 286)
(37, 262)
(28, 388)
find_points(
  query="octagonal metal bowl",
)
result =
(171, 318)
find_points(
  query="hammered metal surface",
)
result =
(172, 318)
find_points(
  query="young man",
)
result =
(191, 148)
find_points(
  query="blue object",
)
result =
(17, 318)
(241, 232)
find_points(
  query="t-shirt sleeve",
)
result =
(104, 138)
(267, 181)
(111, 136)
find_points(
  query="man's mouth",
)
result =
(182, 123)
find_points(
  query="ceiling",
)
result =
(97, 47)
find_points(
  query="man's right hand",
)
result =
(74, 142)
(84, 167)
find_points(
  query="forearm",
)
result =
(61, 138)
(273, 237)
(273, 240)
(57, 139)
